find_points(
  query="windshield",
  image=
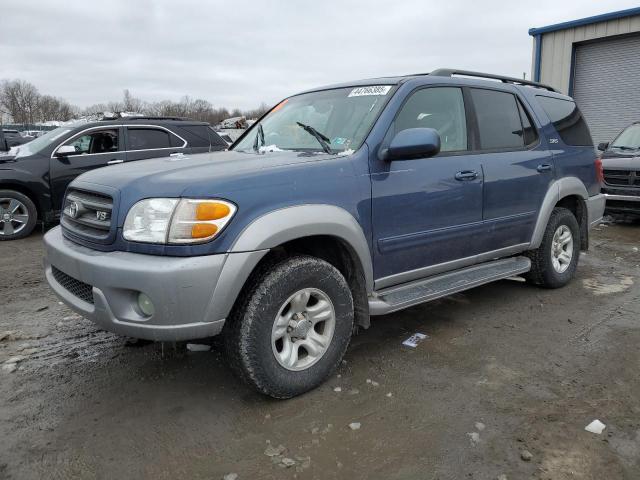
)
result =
(40, 143)
(332, 121)
(629, 139)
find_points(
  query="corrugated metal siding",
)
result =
(555, 68)
(607, 85)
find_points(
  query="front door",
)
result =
(94, 148)
(427, 212)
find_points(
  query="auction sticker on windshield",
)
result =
(372, 90)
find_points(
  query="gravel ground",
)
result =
(503, 388)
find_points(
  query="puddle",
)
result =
(617, 285)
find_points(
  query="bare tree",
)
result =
(257, 112)
(20, 100)
(52, 108)
(131, 103)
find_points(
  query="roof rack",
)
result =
(108, 116)
(449, 72)
(148, 117)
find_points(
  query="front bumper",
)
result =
(622, 203)
(191, 295)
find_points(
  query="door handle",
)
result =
(113, 162)
(544, 167)
(466, 175)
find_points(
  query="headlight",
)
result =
(174, 221)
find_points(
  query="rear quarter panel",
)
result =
(569, 160)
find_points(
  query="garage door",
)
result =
(607, 85)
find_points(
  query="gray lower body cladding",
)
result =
(191, 296)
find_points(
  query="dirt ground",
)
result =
(507, 368)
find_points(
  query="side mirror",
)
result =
(413, 143)
(65, 150)
(603, 146)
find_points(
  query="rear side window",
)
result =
(440, 108)
(196, 135)
(567, 120)
(217, 139)
(528, 130)
(149, 138)
(499, 122)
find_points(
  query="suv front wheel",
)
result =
(18, 215)
(554, 263)
(291, 327)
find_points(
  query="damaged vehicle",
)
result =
(340, 203)
(621, 163)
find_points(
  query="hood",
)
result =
(182, 175)
(629, 162)
(6, 157)
(10, 154)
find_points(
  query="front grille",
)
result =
(87, 214)
(628, 178)
(82, 290)
(622, 206)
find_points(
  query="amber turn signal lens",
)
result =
(211, 211)
(203, 230)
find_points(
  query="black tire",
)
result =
(542, 272)
(29, 210)
(248, 333)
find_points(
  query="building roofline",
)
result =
(630, 12)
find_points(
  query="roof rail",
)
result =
(148, 117)
(449, 72)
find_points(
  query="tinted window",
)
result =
(530, 132)
(440, 108)
(567, 120)
(97, 141)
(175, 141)
(196, 135)
(148, 138)
(218, 139)
(498, 119)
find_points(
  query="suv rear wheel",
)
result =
(291, 327)
(554, 263)
(18, 215)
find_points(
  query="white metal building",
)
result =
(596, 60)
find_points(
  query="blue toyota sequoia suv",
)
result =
(341, 202)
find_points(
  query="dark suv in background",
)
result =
(621, 163)
(13, 138)
(34, 176)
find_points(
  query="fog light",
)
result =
(145, 304)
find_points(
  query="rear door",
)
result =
(427, 212)
(517, 167)
(94, 148)
(149, 141)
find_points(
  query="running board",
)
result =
(396, 298)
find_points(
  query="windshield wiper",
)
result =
(624, 147)
(323, 140)
(259, 138)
